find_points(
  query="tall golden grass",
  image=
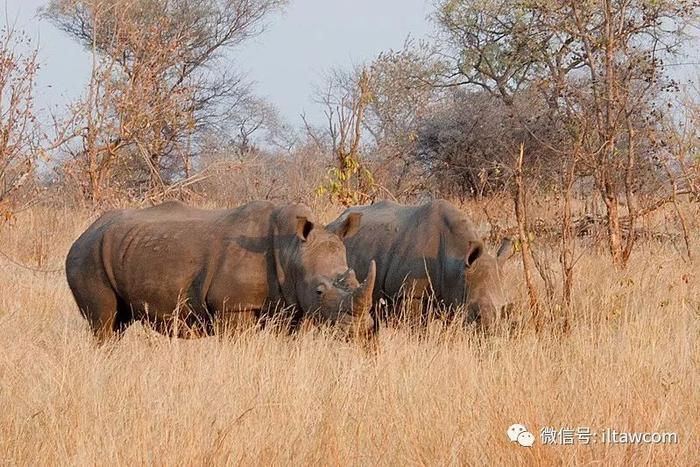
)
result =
(631, 362)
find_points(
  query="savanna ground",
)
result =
(631, 362)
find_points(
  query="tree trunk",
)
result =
(568, 245)
(525, 250)
(612, 213)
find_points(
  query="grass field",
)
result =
(441, 397)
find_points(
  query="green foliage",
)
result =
(348, 185)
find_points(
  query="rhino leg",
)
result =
(106, 313)
(99, 305)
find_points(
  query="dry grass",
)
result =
(631, 362)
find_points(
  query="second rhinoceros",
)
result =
(148, 264)
(430, 251)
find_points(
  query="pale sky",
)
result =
(285, 62)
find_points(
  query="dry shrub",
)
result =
(232, 181)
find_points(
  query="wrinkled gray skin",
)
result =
(142, 264)
(427, 250)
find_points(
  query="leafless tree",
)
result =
(402, 96)
(18, 129)
(159, 82)
(345, 98)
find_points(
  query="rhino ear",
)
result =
(350, 226)
(304, 228)
(474, 251)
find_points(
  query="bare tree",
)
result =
(18, 130)
(345, 99)
(159, 81)
(520, 205)
(402, 97)
(682, 141)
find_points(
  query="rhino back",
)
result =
(172, 252)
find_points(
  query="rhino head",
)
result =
(324, 287)
(481, 289)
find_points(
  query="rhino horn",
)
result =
(362, 297)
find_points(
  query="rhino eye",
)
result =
(321, 289)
